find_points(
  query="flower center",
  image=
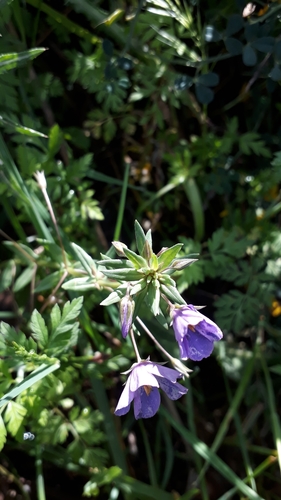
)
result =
(191, 327)
(147, 389)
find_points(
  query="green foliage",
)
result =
(154, 104)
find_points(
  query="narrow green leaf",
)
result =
(123, 274)
(7, 275)
(276, 428)
(140, 237)
(80, 284)
(24, 278)
(86, 260)
(112, 298)
(140, 490)
(49, 282)
(21, 129)
(168, 255)
(196, 205)
(172, 294)
(40, 372)
(55, 140)
(14, 59)
(136, 260)
(64, 21)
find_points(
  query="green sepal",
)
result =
(168, 255)
(161, 318)
(152, 298)
(172, 293)
(147, 252)
(154, 262)
(166, 280)
(139, 298)
(148, 237)
(122, 274)
(140, 237)
(138, 287)
(135, 259)
(115, 296)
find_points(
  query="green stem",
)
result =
(120, 216)
(40, 486)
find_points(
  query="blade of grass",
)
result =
(241, 439)
(211, 458)
(192, 427)
(236, 400)
(34, 208)
(120, 216)
(14, 59)
(40, 372)
(156, 196)
(98, 176)
(259, 470)
(64, 21)
(194, 198)
(141, 490)
(276, 429)
(103, 405)
(149, 456)
(12, 217)
(169, 455)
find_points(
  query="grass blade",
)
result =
(40, 372)
(122, 202)
(276, 429)
(235, 402)
(14, 59)
(211, 458)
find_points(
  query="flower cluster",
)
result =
(146, 278)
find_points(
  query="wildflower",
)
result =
(142, 387)
(194, 332)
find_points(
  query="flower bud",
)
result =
(119, 246)
(180, 367)
(181, 263)
(41, 180)
(127, 306)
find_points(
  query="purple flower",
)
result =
(142, 386)
(194, 332)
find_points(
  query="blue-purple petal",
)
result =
(209, 330)
(173, 390)
(122, 411)
(198, 346)
(163, 371)
(145, 406)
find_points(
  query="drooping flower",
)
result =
(142, 387)
(194, 332)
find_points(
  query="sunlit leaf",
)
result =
(14, 59)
